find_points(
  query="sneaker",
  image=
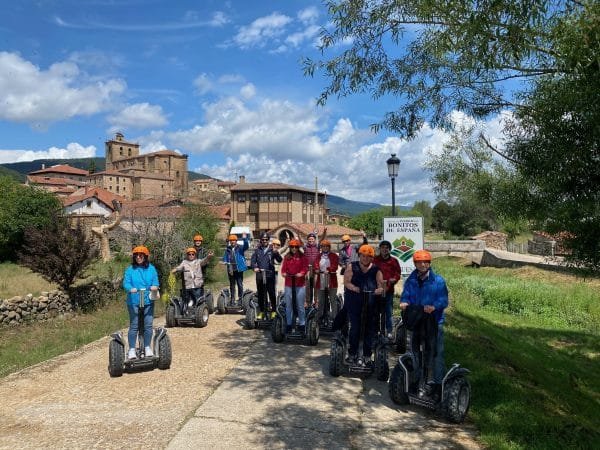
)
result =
(190, 303)
(273, 314)
(148, 352)
(390, 336)
(260, 316)
(131, 354)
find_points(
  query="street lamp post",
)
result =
(393, 164)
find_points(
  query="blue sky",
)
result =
(220, 81)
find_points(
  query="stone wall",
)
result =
(48, 305)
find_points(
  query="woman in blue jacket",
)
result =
(140, 275)
(425, 287)
(236, 264)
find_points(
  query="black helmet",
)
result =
(264, 235)
(388, 243)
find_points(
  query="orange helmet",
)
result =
(295, 243)
(141, 249)
(191, 250)
(232, 237)
(366, 250)
(346, 237)
(198, 237)
(325, 243)
(422, 255)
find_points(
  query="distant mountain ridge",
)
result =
(19, 171)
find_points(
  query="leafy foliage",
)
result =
(22, 207)
(57, 252)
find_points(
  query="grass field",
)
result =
(531, 339)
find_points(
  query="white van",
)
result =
(239, 231)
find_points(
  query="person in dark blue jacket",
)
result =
(140, 275)
(425, 287)
(236, 264)
(264, 258)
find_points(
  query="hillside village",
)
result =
(146, 187)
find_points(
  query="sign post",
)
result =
(406, 236)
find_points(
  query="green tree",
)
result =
(371, 222)
(59, 253)
(438, 56)
(21, 207)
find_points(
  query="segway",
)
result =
(328, 309)
(408, 382)
(399, 333)
(161, 346)
(339, 348)
(228, 305)
(382, 366)
(252, 310)
(311, 328)
(185, 310)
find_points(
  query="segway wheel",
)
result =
(457, 393)
(210, 301)
(164, 353)
(250, 318)
(201, 316)
(313, 332)
(336, 358)
(116, 357)
(382, 367)
(221, 303)
(401, 339)
(396, 386)
(170, 316)
(277, 329)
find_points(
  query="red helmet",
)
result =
(422, 255)
(325, 243)
(140, 249)
(294, 243)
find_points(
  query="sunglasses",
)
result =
(264, 240)
(191, 253)
(345, 242)
(294, 246)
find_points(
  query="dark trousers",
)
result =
(263, 289)
(236, 278)
(354, 308)
(194, 294)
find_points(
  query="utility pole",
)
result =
(316, 204)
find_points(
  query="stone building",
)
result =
(60, 179)
(266, 206)
(156, 175)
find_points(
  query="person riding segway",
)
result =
(329, 303)
(263, 263)
(140, 281)
(420, 377)
(299, 318)
(363, 284)
(235, 261)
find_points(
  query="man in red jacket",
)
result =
(390, 268)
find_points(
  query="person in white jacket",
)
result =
(192, 274)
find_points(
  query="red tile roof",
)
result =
(102, 195)
(222, 212)
(55, 181)
(61, 168)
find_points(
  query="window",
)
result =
(88, 204)
(283, 197)
(128, 152)
(273, 197)
(177, 174)
(264, 197)
(117, 188)
(254, 197)
(241, 198)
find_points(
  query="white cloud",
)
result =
(139, 115)
(308, 34)
(37, 97)
(262, 30)
(308, 15)
(202, 84)
(73, 150)
(248, 91)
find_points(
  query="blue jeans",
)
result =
(389, 306)
(439, 368)
(289, 305)
(133, 324)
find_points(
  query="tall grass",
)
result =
(18, 280)
(531, 340)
